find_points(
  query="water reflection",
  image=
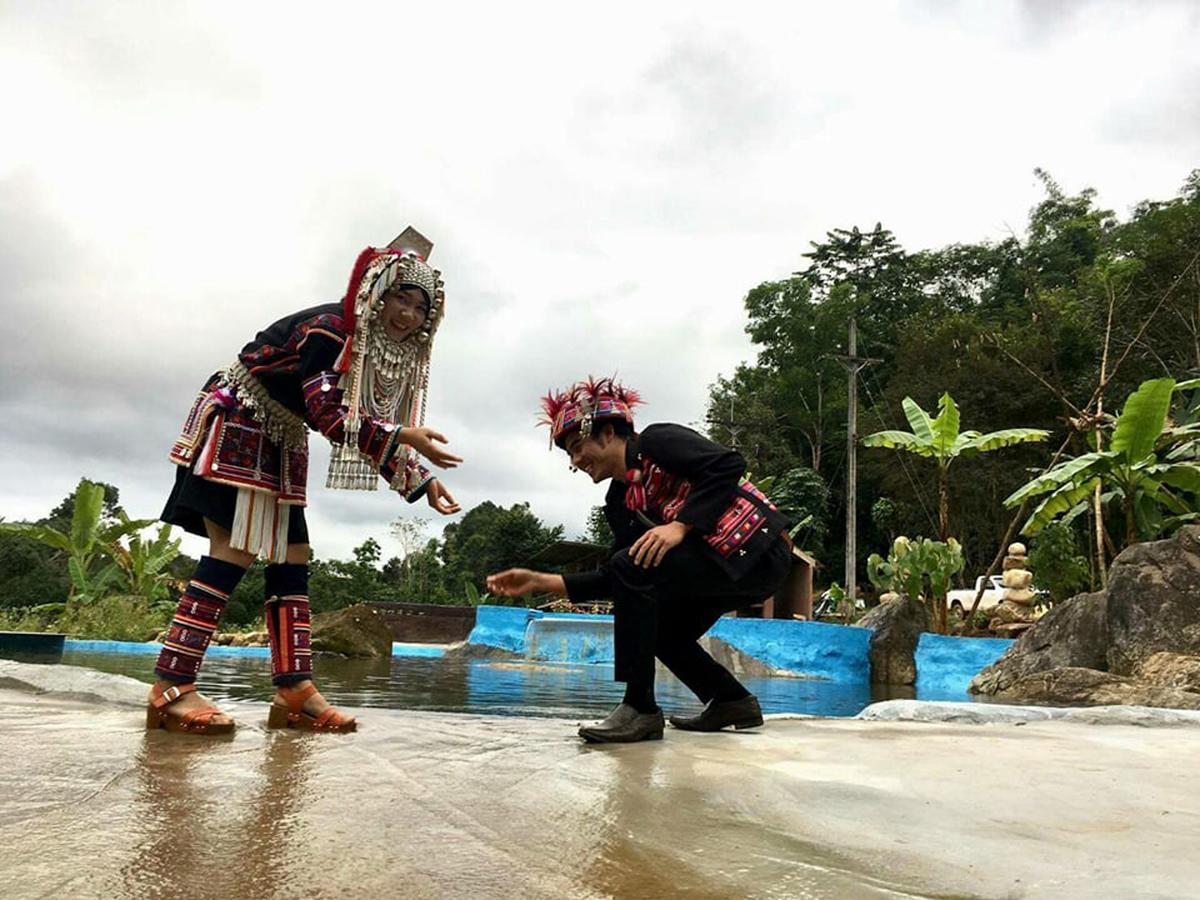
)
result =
(198, 833)
(516, 687)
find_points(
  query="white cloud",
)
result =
(602, 188)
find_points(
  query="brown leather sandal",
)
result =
(195, 721)
(294, 716)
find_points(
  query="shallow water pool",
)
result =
(509, 687)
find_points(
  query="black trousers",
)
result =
(662, 611)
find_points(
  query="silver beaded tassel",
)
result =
(349, 470)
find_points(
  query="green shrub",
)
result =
(32, 618)
(1056, 562)
(114, 618)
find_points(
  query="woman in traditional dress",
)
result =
(358, 372)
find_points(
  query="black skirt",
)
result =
(194, 499)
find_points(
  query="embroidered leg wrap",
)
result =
(288, 623)
(196, 617)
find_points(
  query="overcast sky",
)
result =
(602, 190)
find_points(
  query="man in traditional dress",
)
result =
(358, 372)
(693, 540)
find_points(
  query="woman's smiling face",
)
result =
(404, 311)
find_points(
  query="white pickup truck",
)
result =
(961, 601)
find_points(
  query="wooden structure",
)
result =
(570, 556)
(794, 599)
(425, 623)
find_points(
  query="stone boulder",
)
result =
(1090, 687)
(467, 650)
(1154, 601)
(895, 629)
(1074, 634)
(1171, 670)
(358, 630)
(742, 665)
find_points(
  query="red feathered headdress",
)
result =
(585, 403)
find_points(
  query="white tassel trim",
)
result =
(260, 525)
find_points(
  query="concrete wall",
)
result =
(946, 665)
(501, 626)
(578, 638)
(153, 647)
(814, 649)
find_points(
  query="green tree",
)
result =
(61, 516)
(598, 530)
(939, 439)
(1058, 566)
(31, 573)
(143, 566)
(490, 538)
(87, 545)
(1145, 474)
(803, 498)
(335, 584)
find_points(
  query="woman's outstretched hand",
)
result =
(423, 441)
(441, 499)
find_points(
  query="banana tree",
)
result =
(1149, 472)
(940, 440)
(87, 544)
(142, 565)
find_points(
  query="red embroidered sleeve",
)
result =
(405, 474)
(377, 439)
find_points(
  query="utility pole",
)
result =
(854, 364)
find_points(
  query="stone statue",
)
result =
(1015, 613)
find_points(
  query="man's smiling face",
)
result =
(588, 455)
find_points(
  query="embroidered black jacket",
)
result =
(686, 478)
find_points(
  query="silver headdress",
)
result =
(383, 378)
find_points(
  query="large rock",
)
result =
(895, 629)
(1073, 634)
(356, 630)
(1171, 670)
(1154, 601)
(467, 650)
(1091, 687)
(742, 665)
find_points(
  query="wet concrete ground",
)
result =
(437, 805)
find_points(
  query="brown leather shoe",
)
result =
(624, 725)
(736, 714)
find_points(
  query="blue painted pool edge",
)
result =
(946, 664)
(153, 647)
(147, 647)
(812, 649)
(431, 651)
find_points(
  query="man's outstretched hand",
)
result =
(514, 582)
